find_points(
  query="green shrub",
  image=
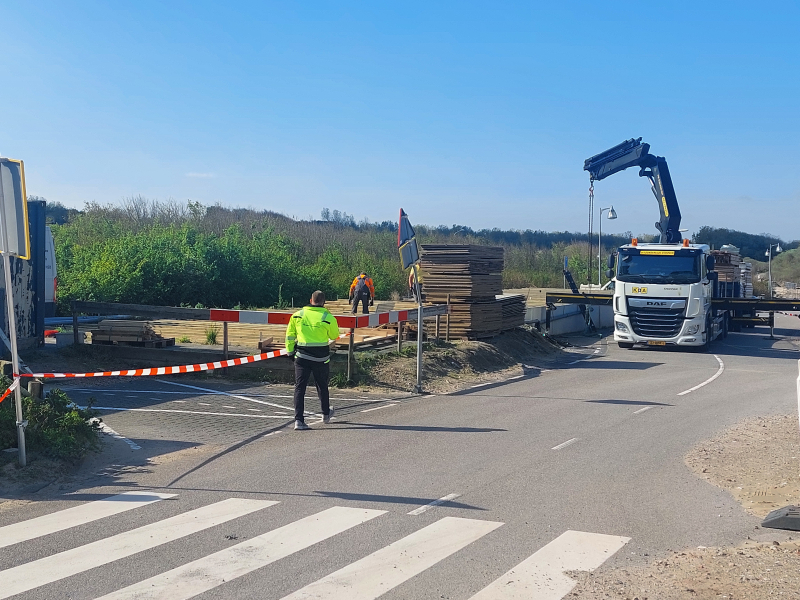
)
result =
(56, 427)
(211, 335)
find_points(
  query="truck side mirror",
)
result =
(710, 262)
(611, 261)
(609, 273)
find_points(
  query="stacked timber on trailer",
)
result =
(128, 333)
(735, 276)
(470, 277)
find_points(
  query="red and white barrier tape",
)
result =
(196, 368)
(263, 317)
(10, 389)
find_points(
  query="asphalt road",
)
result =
(595, 447)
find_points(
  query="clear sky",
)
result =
(477, 114)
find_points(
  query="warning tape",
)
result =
(10, 389)
(195, 368)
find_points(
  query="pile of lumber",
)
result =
(470, 277)
(128, 333)
(727, 263)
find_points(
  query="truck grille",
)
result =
(656, 322)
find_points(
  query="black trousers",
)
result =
(303, 370)
(365, 304)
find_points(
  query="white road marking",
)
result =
(77, 515)
(481, 384)
(427, 507)
(707, 381)
(108, 431)
(255, 409)
(641, 410)
(194, 387)
(381, 571)
(90, 556)
(203, 404)
(226, 406)
(565, 444)
(271, 433)
(541, 576)
(516, 377)
(379, 407)
(798, 388)
(204, 574)
(184, 402)
(185, 412)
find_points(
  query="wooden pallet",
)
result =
(156, 343)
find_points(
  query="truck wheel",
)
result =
(625, 345)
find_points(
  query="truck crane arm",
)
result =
(633, 153)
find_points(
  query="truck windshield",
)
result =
(637, 268)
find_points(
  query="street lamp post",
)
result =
(612, 214)
(768, 253)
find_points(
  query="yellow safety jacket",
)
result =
(309, 333)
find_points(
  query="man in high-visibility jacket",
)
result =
(362, 290)
(308, 336)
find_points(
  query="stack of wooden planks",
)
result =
(128, 333)
(728, 265)
(471, 277)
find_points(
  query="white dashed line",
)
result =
(255, 409)
(709, 380)
(565, 444)
(427, 507)
(186, 412)
(203, 404)
(180, 401)
(641, 410)
(225, 406)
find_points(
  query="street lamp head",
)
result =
(612, 214)
(767, 253)
(778, 249)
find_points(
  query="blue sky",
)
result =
(479, 114)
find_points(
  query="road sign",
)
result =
(14, 208)
(14, 240)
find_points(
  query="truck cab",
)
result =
(662, 295)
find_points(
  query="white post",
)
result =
(12, 330)
(769, 266)
(599, 251)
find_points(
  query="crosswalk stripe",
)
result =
(77, 515)
(541, 575)
(71, 562)
(376, 574)
(211, 571)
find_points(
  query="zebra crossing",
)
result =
(540, 576)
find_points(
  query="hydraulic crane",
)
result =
(633, 153)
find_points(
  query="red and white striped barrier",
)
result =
(263, 317)
(10, 389)
(195, 368)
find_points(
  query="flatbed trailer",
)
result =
(743, 312)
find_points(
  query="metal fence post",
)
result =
(350, 353)
(74, 324)
(399, 336)
(447, 321)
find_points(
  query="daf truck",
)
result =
(662, 291)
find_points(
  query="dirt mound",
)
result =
(451, 366)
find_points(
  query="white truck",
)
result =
(663, 294)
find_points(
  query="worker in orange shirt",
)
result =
(362, 290)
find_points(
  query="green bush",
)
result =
(56, 427)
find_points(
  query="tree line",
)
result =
(189, 254)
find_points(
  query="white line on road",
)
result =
(108, 431)
(194, 387)
(542, 575)
(798, 388)
(185, 412)
(90, 556)
(184, 402)
(565, 444)
(226, 406)
(204, 574)
(427, 507)
(203, 404)
(379, 407)
(641, 410)
(381, 571)
(707, 381)
(77, 515)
